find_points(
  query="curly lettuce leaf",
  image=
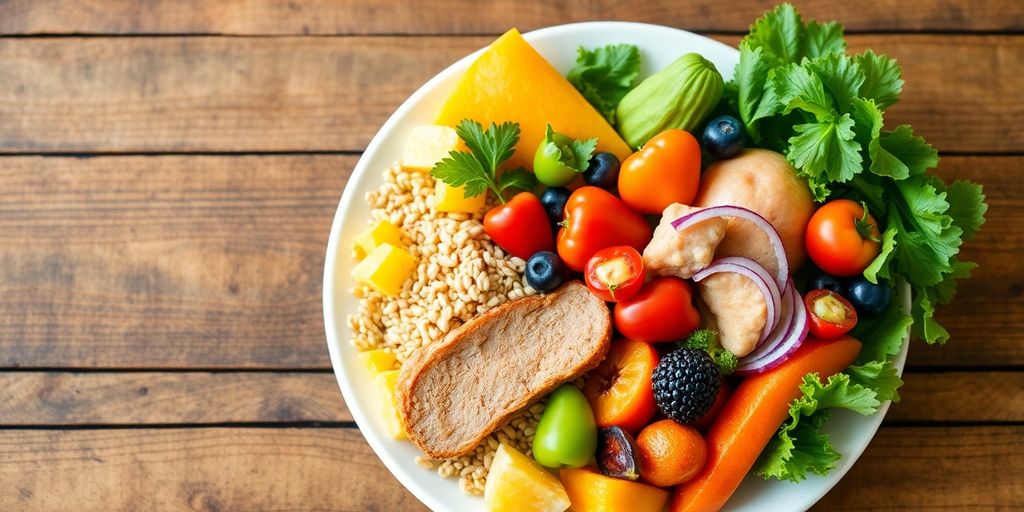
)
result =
(604, 75)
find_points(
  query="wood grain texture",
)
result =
(960, 397)
(196, 470)
(976, 469)
(178, 94)
(144, 398)
(334, 470)
(216, 261)
(248, 17)
(165, 261)
(196, 398)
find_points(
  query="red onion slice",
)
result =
(777, 351)
(781, 331)
(739, 212)
(759, 276)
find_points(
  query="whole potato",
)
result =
(762, 181)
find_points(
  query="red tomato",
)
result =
(831, 316)
(520, 226)
(615, 273)
(842, 238)
(661, 311)
(595, 219)
(665, 171)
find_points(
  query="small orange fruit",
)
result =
(619, 389)
(670, 453)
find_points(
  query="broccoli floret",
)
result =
(707, 340)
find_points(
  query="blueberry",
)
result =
(723, 137)
(554, 199)
(867, 298)
(603, 171)
(824, 281)
(545, 271)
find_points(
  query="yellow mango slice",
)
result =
(385, 269)
(510, 81)
(381, 232)
(517, 483)
(378, 360)
(453, 199)
(384, 383)
(428, 145)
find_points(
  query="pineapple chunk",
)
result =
(453, 199)
(380, 232)
(385, 269)
(516, 483)
(428, 145)
(385, 382)
(378, 360)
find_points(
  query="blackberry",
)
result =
(685, 384)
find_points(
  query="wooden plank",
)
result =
(333, 469)
(147, 398)
(144, 398)
(249, 17)
(295, 94)
(189, 470)
(165, 261)
(935, 468)
(215, 261)
(960, 396)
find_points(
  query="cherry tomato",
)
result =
(665, 171)
(661, 311)
(520, 226)
(595, 219)
(615, 273)
(831, 315)
(842, 238)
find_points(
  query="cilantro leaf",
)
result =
(879, 267)
(914, 153)
(462, 169)
(826, 148)
(823, 39)
(841, 76)
(868, 118)
(883, 335)
(517, 179)
(797, 87)
(604, 75)
(927, 238)
(477, 169)
(966, 206)
(574, 154)
(780, 32)
(925, 325)
(707, 340)
(582, 150)
(882, 81)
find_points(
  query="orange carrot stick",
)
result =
(750, 418)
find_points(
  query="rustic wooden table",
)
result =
(168, 177)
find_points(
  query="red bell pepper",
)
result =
(595, 219)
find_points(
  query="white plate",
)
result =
(658, 45)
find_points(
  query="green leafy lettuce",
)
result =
(604, 75)
(800, 446)
(799, 93)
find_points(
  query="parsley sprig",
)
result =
(477, 170)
